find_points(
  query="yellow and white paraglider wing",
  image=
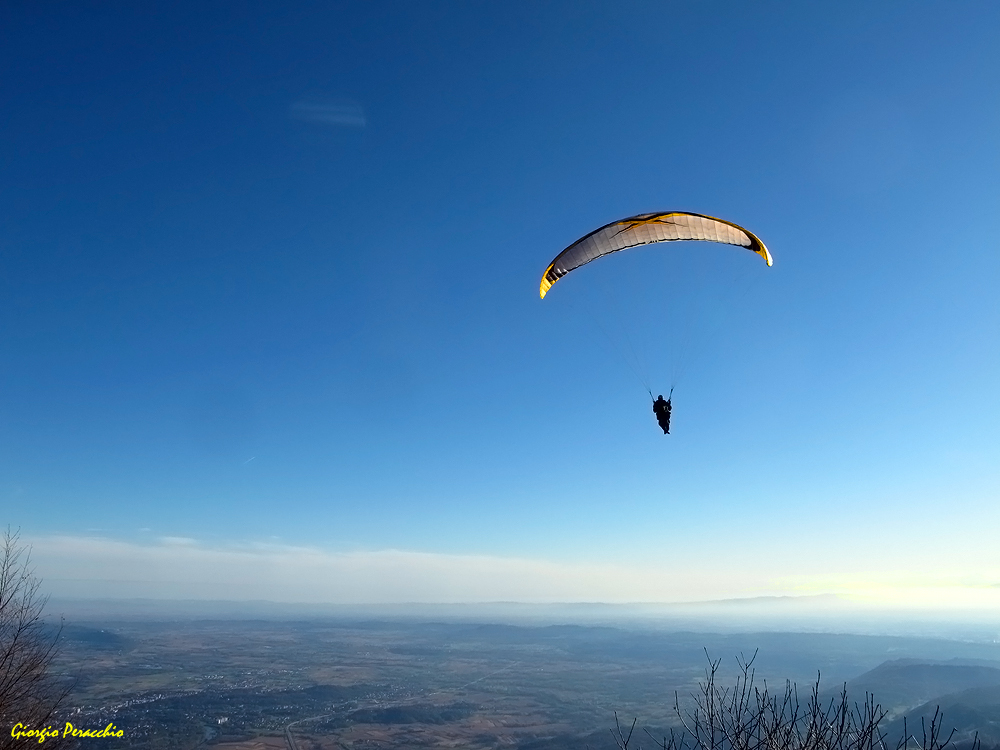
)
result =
(646, 229)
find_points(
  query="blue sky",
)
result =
(268, 281)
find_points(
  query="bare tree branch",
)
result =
(749, 716)
(29, 692)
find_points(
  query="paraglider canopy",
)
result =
(646, 229)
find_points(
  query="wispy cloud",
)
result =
(345, 114)
(178, 567)
(177, 541)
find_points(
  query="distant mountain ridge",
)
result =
(971, 712)
(903, 684)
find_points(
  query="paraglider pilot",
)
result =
(661, 409)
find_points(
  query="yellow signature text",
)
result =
(19, 731)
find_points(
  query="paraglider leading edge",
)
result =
(646, 229)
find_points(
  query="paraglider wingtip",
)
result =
(546, 282)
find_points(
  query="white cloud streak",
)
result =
(176, 567)
(339, 114)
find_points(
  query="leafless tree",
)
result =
(748, 716)
(29, 691)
